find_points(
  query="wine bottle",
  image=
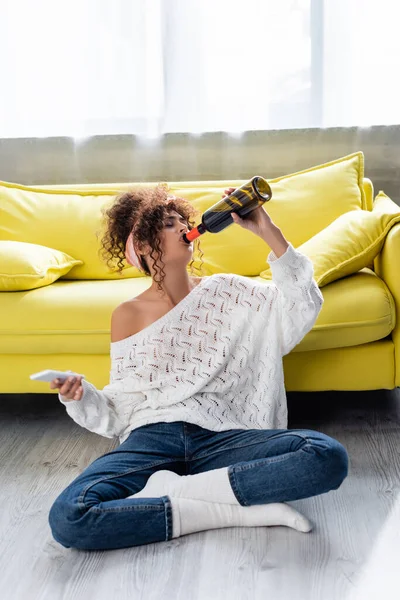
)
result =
(242, 201)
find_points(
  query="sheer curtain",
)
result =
(87, 67)
(238, 65)
(361, 63)
(80, 67)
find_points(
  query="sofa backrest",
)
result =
(69, 218)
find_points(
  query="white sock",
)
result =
(212, 486)
(206, 501)
(189, 516)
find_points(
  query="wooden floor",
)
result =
(353, 552)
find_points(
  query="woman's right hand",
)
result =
(70, 388)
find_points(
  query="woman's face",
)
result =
(175, 251)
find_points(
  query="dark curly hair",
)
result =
(142, 210)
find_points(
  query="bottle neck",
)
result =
(194, 233)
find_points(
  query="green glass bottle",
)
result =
(242, 201)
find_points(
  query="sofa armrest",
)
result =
(387, 267)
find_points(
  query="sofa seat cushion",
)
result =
(357, 310)
(73, 317)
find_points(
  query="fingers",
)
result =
(71, 388)
(78, 392)
(228, 191)
(65, 385)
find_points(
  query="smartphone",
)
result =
(49, 375)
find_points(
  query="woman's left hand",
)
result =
(257, 221)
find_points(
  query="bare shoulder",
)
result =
(135, 314)
(126, 319)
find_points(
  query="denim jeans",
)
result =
(92, 513)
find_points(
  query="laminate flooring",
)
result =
(353, 553)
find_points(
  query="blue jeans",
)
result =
(92, 513)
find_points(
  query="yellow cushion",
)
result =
(61, 315)
(302, 204)
(27, 266)
(67, 316)
(366, 367)
(350, 243)
(345, 320)
(64, 219)
(68, 217)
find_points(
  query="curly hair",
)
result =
(142, 210)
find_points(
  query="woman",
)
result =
(196, 392)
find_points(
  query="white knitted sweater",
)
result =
(215, 359)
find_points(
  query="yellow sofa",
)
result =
(354, 345)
